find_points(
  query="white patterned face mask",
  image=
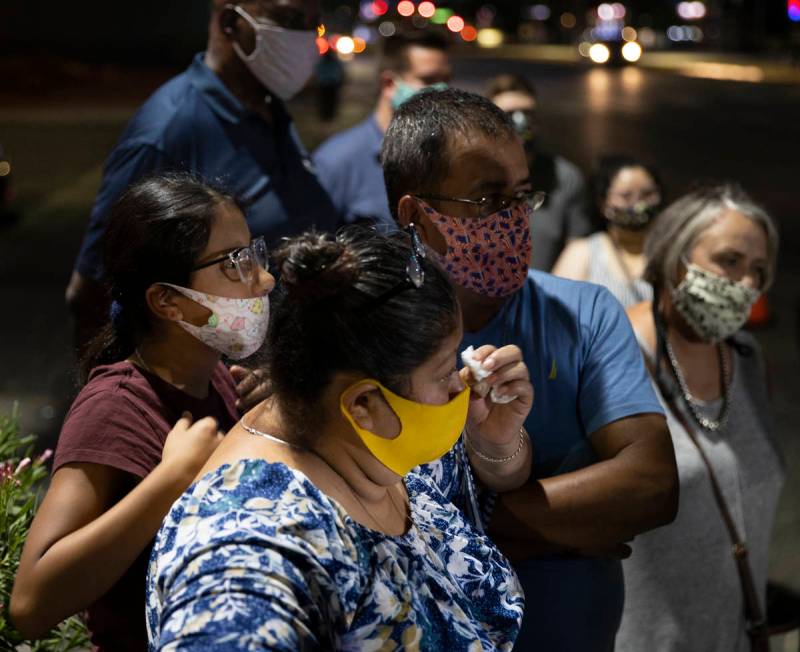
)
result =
(283, 59)
(236, 327)
(714, 306)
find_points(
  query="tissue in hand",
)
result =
(479, 373)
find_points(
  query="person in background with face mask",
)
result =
(564, 216)
(710, 255)
(628, 194)
(223, 118)
(348, 164)
(603, 465)
(189, 284)
(311, 527)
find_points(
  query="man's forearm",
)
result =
(594, 508)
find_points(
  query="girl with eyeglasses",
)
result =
(319, 522)
(188, 285)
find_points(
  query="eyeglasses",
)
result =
(242, 264)
(494, 203)
(415, 272)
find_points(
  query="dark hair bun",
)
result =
(315, 265)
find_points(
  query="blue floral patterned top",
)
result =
(253, 556)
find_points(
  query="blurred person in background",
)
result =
(628, 194)
(564, 215)
(223, 118)
(710, 255)
(329, 74)
(189, 284)
(348, 164)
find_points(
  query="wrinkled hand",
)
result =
(252, 387)
(494, 423)
(189, 445)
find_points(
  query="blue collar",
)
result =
(219, 98)
(376, 132)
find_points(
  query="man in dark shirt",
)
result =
(348, 163)
(565, 213)
(223, 119)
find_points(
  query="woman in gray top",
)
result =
(710, 255)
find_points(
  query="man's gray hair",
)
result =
(678, 227)
(415, 148)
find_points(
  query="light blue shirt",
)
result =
(349, 168)
(587, 371)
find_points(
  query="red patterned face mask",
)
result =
(488, 255)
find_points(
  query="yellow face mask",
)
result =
(426, 431)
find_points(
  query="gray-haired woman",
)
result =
(710, 255)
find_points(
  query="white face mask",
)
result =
(236, 327)
(714, 306)
(283, 59)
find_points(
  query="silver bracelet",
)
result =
(498, 460)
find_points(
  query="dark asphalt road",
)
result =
(693, 129)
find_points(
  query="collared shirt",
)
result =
(349, 167)
(194, 123)
(587, 371)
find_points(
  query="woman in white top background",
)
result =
(627, 194)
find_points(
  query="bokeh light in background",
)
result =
(540, 12)
(387, 28)
(322, 45)
(599, 53)
(359, 45)
(628, 33)
(490, 37)
(426, 9)
(405, 8)
(455, 23)
(441, 15)
(691, 10)
(345, 45)
(605, 12)
(364, 33)
(793, 10)
(380, 7)
(568, 20)
(632, 51)
(469, 33)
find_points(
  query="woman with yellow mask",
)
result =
(311, 527)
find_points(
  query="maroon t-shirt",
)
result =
(121, 419)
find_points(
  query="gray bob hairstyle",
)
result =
(676, 230)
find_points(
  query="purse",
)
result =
(754, 613)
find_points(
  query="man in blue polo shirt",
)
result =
(223, 119)
(348, 164)
(604, 468)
